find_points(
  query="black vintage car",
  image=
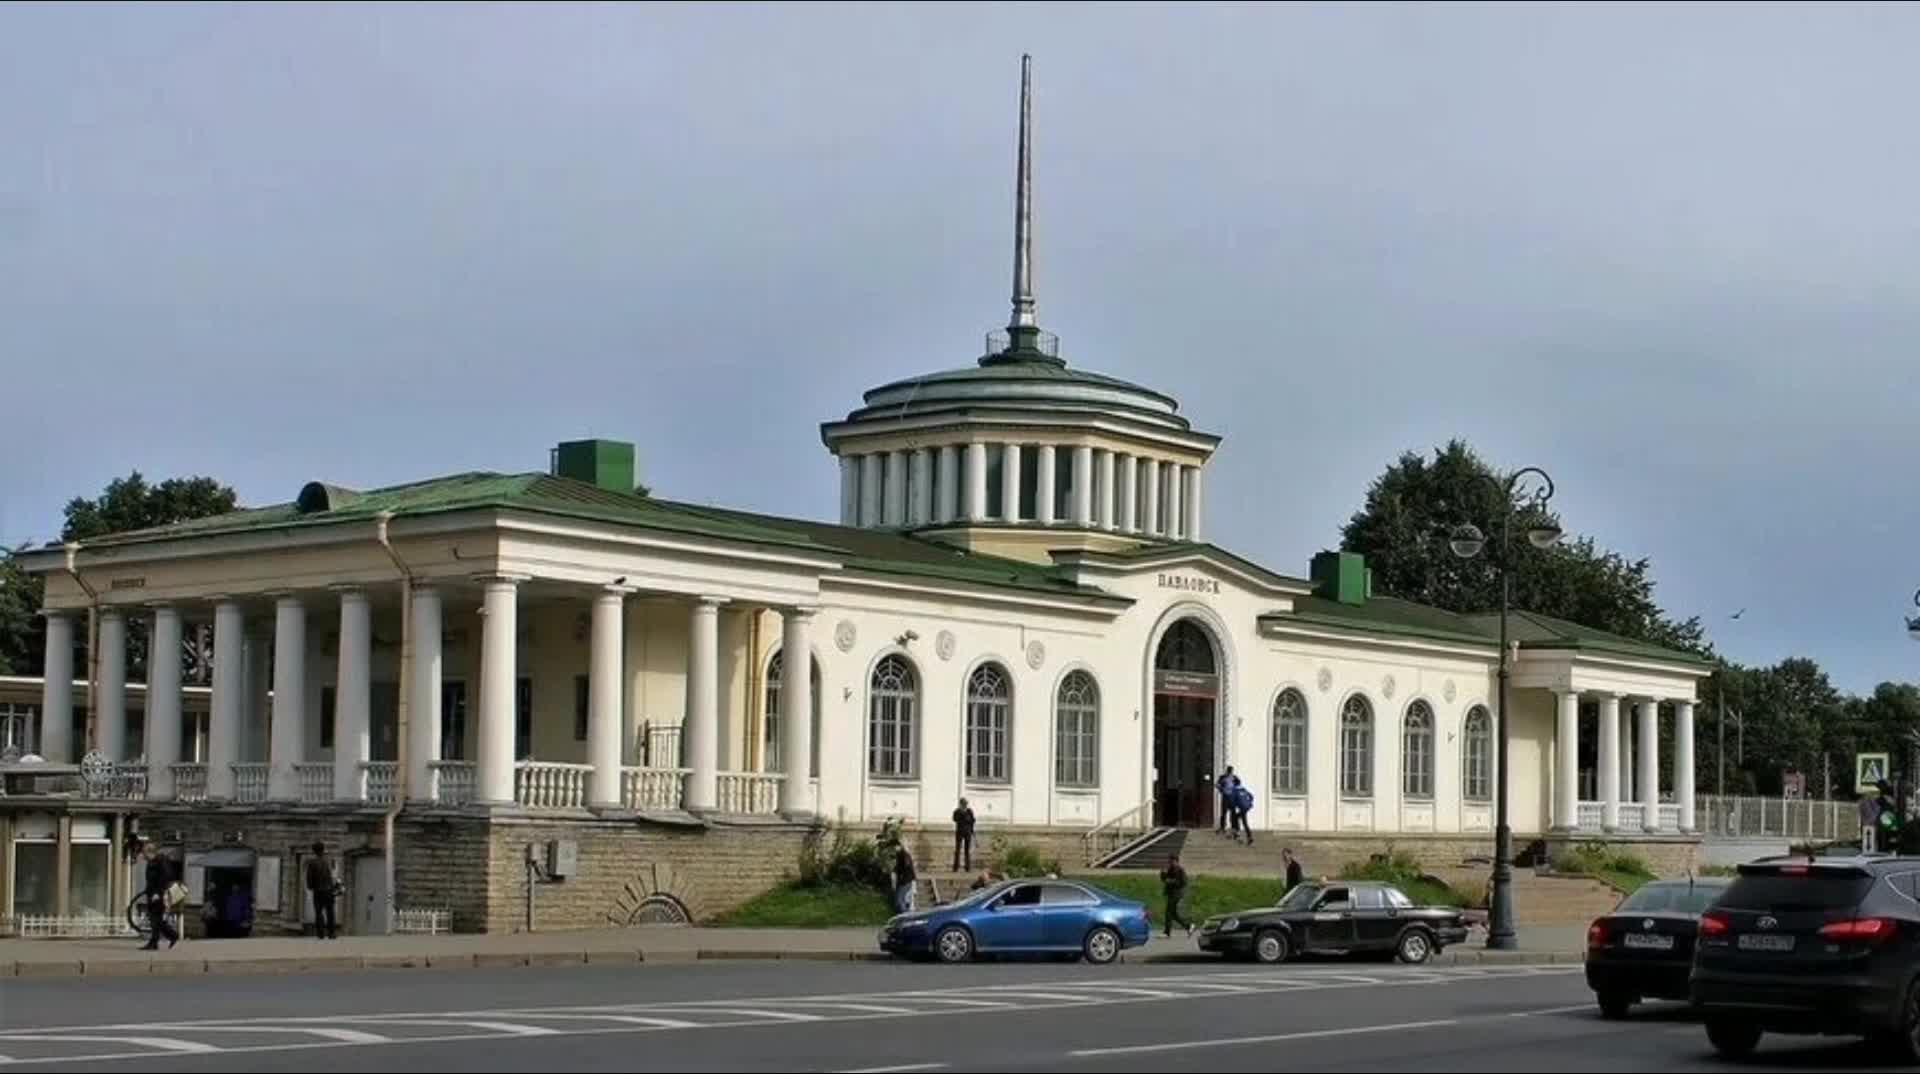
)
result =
(1644, 948)
(1358, 917)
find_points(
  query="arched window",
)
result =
(1416, 751)
(989, 720)
(771, 747)
(1477, 755)
(1356, 748)
(1289, 743)
(893, 718)
(1076, 723)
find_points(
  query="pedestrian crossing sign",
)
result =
(1870, 769)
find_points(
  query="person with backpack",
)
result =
(324, 887)
(1225, 786)
(1242, 806)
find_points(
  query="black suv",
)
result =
(1813, 945)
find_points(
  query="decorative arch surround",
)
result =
(1288, 724)
(894, 717)
(987, 730)
(1076, 730)
(1419, 731)
(770, 739)
(1476, 754)
(1227, 665)
(657, 894)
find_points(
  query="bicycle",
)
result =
(142, 924)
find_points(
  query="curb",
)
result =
(168, 967)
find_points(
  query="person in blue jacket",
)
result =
(1242, 806)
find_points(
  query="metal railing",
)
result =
(750, 793)
(651, 788)
(127, 782)
(551, 784)
(1761, 818)
(250, 781)
(1115, 832)
(72, 927)
(316, 782)
(455, 782)
(423, 922)
(190, 782)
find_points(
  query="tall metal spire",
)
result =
(1023, 211)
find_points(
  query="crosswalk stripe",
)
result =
(163, 1044)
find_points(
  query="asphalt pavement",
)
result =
(868, 1017)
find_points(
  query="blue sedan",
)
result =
(1023, 917)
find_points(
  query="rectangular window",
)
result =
(87, 881)
(987, 741)
(453, 721)
(1076, 764)
(1479, 767)
(328, 699)
(17, 729)
(1356, 761)
(582, 690)
(523, 719)
(1290, 757)
(891, 754)
(35, 876)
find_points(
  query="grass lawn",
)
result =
(1206, 895)
(792, 907)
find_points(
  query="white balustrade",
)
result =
(250, 781)
(190, 782)
(551, 785)
(457, 780)
(1633, 817)
(383, 780)
(1669, 817)
(316, 782)
(750, 793)
(127, 782)
(651, 788)
(1592, 817)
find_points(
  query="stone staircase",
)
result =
(1540, 899)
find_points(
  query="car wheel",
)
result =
(1415, 947)
(1733, 1040)
(1102, 946)
(1615, 1005)
(1271, 948)
(954, 944)
(1902, 1044)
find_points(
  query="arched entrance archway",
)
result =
(1186, 699)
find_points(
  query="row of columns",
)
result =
(1616, 763)
(353, 697)
(1107, 490)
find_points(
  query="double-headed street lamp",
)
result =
(1467, 542)
(1913, 621)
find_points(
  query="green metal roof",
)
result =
(1393, 616)
(1535, 631)
(1039, 370)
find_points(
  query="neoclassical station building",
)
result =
(654, 701)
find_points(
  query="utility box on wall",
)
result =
(563, 858)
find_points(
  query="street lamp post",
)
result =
(1468, 542)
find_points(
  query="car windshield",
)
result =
(1300, 898)
(1799, 889)
(1693, 899)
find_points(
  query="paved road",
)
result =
(862, 1017)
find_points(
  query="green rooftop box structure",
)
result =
(1342, 577)
(606, 464)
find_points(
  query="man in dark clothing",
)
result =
(159, 879)
(1173, 881)
(963, 837)
(321, 884)
(1295, 874)
(905, 877)
(1225, 786)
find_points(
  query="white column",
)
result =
(922, 481)
(1191, 482)
(110, 708)
(1083, 485)
(1129, 494)
(1566, 787)
(258, 652)
(732, 749)
(976, 506)
(1610, 762)
(163, 702)
(289, 727)
(849, 490)
(1150, 508)
(947, 485)
(1628, 788)
(353, 698)
(1650, 762)
(56, 691)
(1683, 764)
(1104, 511)
(423, 706)
(498, 656)
(603, 698)
(702, 724)
(1175, 499)
(1010, 482)
(229, 698)
(796, 711)
(895, 506)
(872, 484)
(1046, 487)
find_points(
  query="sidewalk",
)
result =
(665, 944)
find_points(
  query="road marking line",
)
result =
(623, 1019)
(505, 1029)
(1275, 1038)
(902, 1069)
(344, 1036)
(1551, 1010)
(164, 1044)
(761, 1012)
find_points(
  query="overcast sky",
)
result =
(1667, 253)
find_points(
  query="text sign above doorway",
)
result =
(1190, 583)
(1186, 684)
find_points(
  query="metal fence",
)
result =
(1758, 818)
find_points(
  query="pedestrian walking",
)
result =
(904, 879)
(1295, 874)
(963, 824)
(1225, 786)
(1870, 806)
(1242, 806)
(1173, 883)
(159, 896)
(324, 887)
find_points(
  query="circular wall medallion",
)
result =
(1326, 679)
(1036, 654)
(1387, 686)
(659, 909)
(944, 644)
(845, 634)
(1448, 691)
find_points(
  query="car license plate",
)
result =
(1648, 941)
(1765, 942)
